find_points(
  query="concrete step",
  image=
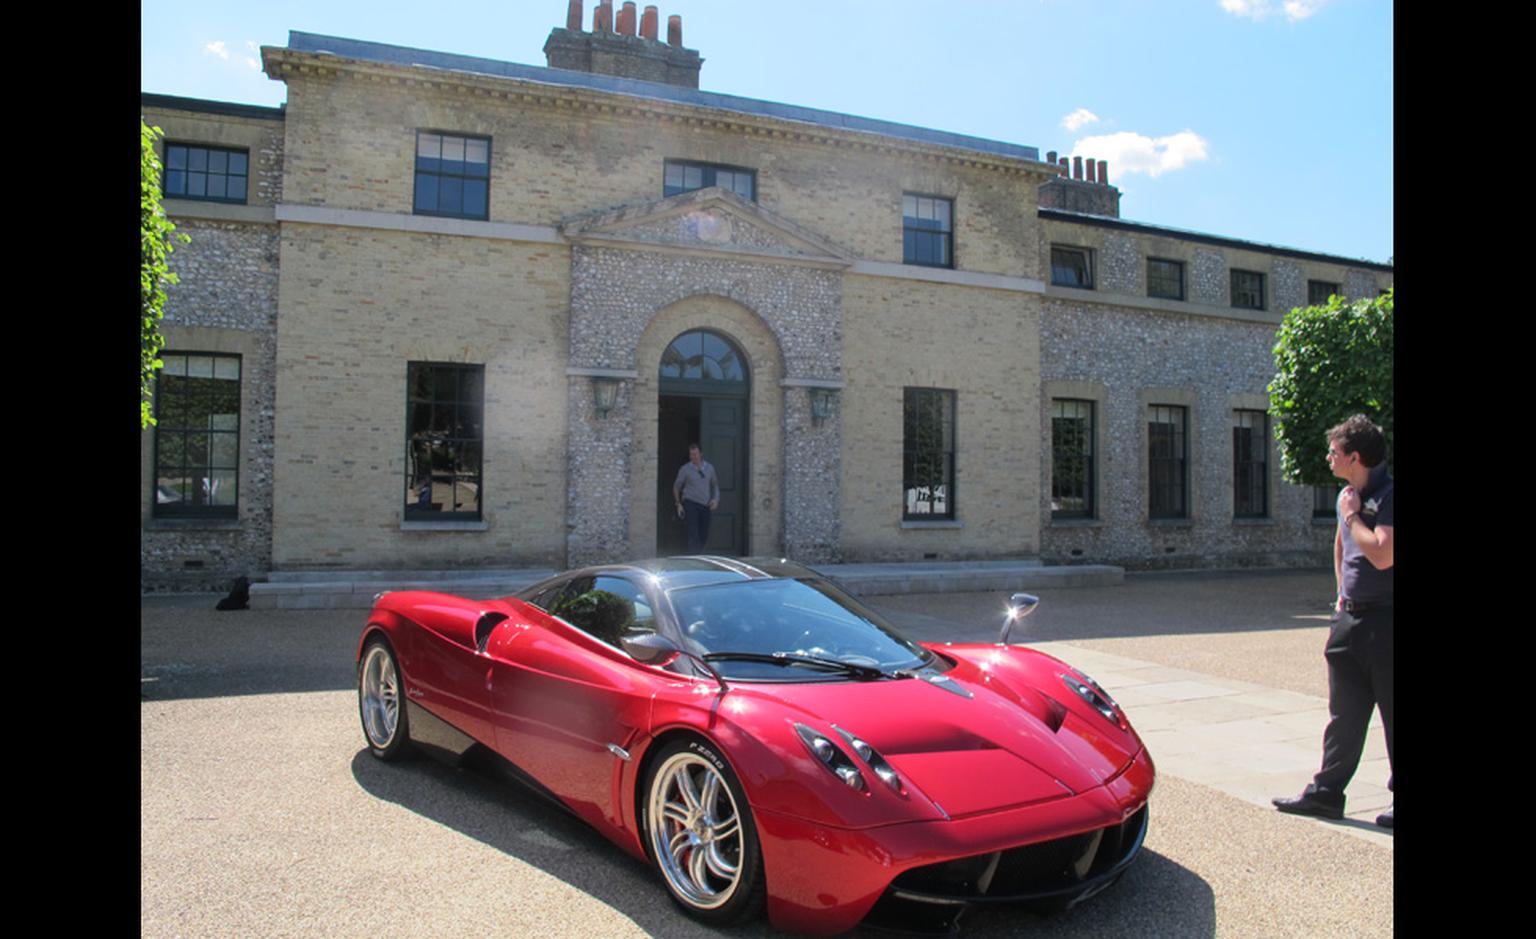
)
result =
(295, 590)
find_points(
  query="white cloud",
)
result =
(254, 59)
(217, 48)
(1259, 9)
(1129, 152)
(1078, 118)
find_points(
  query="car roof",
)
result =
(696, 570)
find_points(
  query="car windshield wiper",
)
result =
(794, 658)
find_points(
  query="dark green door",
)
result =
(704, 388)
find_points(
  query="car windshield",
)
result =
(809, 618)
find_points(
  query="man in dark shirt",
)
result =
(1359, 650)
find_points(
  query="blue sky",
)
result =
(1269, 120)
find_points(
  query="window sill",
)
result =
(1171, 522)
(193, 524)
(481, 525)
(1077, 523)
(1253, 522)
(1324, 521)
(935, 523)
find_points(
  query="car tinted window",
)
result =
(605, 607)
(803, 617)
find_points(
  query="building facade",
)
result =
(445, 312)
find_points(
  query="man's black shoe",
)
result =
(1309, 804)
(1385, 818)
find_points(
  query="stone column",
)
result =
(812, 473)
(597, 478)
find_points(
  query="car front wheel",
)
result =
(699, 832)
(378, 700)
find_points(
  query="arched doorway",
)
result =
(703, 387)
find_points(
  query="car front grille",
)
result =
(1034, 871)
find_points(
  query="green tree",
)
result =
(1331, 361)
(157, 237)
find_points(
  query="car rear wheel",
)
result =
(700, 833)
(378, 700)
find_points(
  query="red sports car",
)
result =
(765, 740)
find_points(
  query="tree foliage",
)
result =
(1331, 361)
(157, 238)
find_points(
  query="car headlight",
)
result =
(1092, 692)
(871, 756)
(831, 756)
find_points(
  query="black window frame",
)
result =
(1325, 501)
(709, 176)
(168, 412)
(1086, 254)
(459, 409)
(920, 467)
(1252, 289)
(1177, 266)
(917, 231)
(441, 173)
(1072, 456)
(1318, 298)
(1250, 463)
(176, 181)
(1167, 471)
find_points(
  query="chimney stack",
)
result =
(625, 47)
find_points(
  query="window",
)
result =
(444, 436)
(197, 436)
(1167, 462)
(1250, 464)
(1071, 459)
(210, 174)
(606, 608)
(453, 175)
(928, 454)
(1248, 290)
(927, 230)
(1165, 279)
(1324, 499)
(680, 176)
(1318, 291)
(1071, 267)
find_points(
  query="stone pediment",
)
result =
(711, 221)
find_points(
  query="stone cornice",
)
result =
(281, 63)
(1156, 305)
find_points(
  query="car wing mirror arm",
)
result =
(1020, 605)
(656, 649)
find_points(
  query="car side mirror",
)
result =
(650, 648)
(1020, 605)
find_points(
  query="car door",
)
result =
(563, 693)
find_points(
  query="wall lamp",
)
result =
(605, 391)
(821, 403)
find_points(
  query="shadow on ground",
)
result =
(1155, 897)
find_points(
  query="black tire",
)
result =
(699, 833)
(380, 702)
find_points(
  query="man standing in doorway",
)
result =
(697, 493)
(1359, 650)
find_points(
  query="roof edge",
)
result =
(206, 106)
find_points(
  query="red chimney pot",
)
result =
(573, 16)
(1104, 172)
(1077, 167)
(675, 31)
(648, 22)
(1092, 176)
(602, 17)
(627, 18)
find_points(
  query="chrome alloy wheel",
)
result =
(695, 831)
(379, 693)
